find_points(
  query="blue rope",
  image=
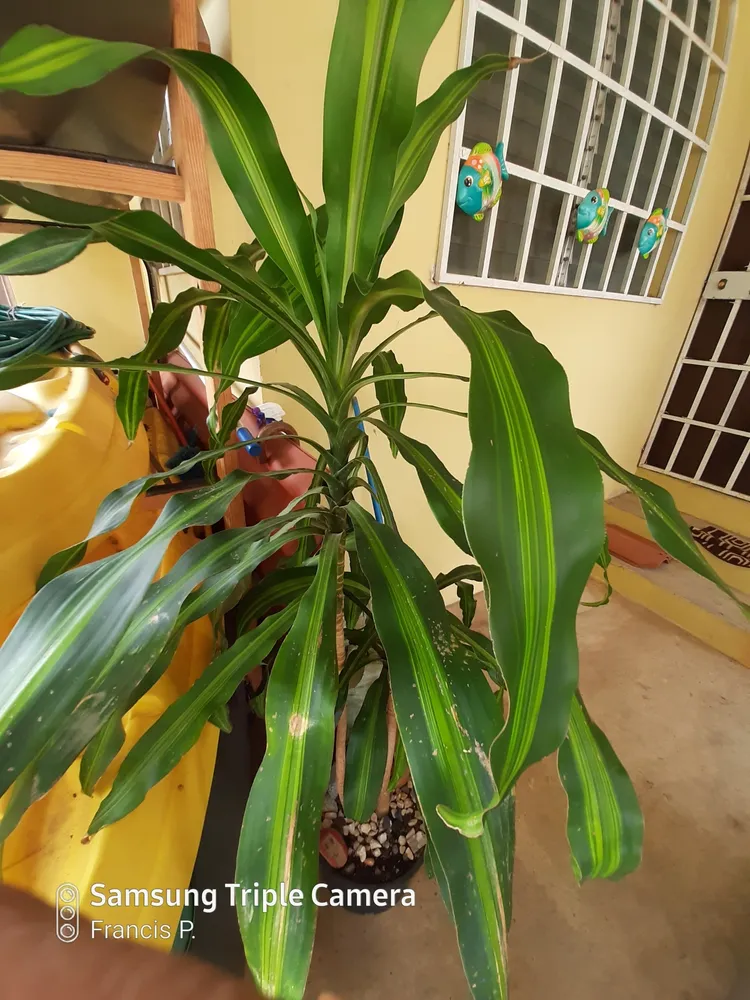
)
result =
(26, 330)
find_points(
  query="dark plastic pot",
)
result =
(335, 879)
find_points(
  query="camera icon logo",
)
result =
(67, 911)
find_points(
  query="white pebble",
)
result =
(362, 853)
(383, 837)
(365, 828)
(408, 854)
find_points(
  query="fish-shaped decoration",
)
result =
(652, 231)
(480, 181)
(592, 216)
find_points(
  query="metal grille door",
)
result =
(702, 432)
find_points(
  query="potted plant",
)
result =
(529, 515)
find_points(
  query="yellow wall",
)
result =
(618, 355)
(95, 288)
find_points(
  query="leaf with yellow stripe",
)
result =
(533, 511)
(281, 826)
(605, 823)
(432, 117)
(43, 60)
(448, 718)
(376, 57)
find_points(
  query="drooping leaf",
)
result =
(42, 673)
(366, 752)
(360, 312)
(466, 572)
(391, 394)
(284, 585)
(467, 602)
(431, 118)
(163, 745)
(664, 520)
(280, 830)
(215, 330)
(114, 511)
(442, 490)
(166, 330)
(604, 560)
(42, 60)
(147, 236)
(533, 510)
(605, 823)
(448, 719)
(42, 250)
(244, 143)
(215, 566)
(376, 57)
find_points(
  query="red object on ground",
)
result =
(333, 848)
(634, 549)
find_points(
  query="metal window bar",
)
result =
(503, 134)
(545, 136)
(595, 80)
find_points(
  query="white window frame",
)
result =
(522, 34)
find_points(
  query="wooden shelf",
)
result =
(92, 175)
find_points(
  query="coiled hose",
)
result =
(26, 330)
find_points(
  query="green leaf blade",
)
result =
(448, 719)
(533, 510)
(178, 729)
(376, 57)
(280, 830)
(42, 250)
(605, 822)
(391, 394)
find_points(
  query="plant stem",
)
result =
(384, 797)
(340, 752)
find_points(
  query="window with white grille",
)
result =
(624, 98)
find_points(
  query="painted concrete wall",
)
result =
(618, 355)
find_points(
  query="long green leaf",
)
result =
(43, 676)
(391, 394)
(42, 250)
(442, 490)
(114, 511)
(533, 510)
(215, 330)
(244, 143)
(280, 831)
(664, 520)
(605, 823)
(178, 729)
(376, 57)
(216, 566)
(448, 719)
(43, 60)
(146, 235)
(366, 752)
(431, 118)
(400, 764)
(361, 311)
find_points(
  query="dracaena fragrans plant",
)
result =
(529, 517)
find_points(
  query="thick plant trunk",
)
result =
(340, 755)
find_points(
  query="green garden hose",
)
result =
(26, 330)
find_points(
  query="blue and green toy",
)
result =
(592, 216)
(652, 231)
(480, 181)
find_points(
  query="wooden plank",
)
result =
(189, 143)
(92, 175)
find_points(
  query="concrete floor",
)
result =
(678, 714)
